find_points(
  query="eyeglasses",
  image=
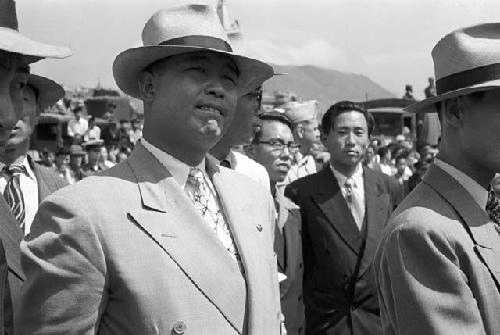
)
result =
(256, 94)
(278, 145)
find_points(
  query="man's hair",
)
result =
(344, 107)
(270, 116)
(77, 109)
(382, 151)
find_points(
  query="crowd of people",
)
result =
(212, 216)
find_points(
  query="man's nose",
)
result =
(215, 88)
(350, 138)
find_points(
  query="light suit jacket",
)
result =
(125, 252)
(11, 234)
(432, 277)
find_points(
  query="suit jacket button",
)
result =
(259, 227)
(180, 327)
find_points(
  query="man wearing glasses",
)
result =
(273, 146)
(344, 209)
(240, 133)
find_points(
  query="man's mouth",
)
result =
(211, 108)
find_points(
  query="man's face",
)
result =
(480, 132)
(240, 130)
(277, 162)
(29, 118)
(13, 79)
(93, 155)
(75, 161)
(78, 114)
(195, 96)
(61, 160)
(348, 139)
(401, 165)
(310, 135)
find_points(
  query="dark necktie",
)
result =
(13, 194)
(493, 209)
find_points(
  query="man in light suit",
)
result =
(344, 208)
(438, 264)
(166, 241)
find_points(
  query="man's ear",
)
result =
(147, 86)
(453, 111)
(299, 130)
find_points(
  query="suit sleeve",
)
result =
(6, 306)
(422, 289)
(63, 260)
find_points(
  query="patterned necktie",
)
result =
(13, 194)
(353, 202)
(204, 201)
(493, 209)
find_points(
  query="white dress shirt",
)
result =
(358, 188)
(478, 193)
(29, 188)
(77, 127)
(247, 166)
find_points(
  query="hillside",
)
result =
(325, 85)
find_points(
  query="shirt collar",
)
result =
(179, 170)
(478, 193)
(23, 161)
(357, 177)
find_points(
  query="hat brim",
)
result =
(49, 92)
(128, 65)
(13, 41)
(428, 105)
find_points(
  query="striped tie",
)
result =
(13, 194)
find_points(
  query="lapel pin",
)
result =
(259, 227)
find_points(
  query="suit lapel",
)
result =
(488, 240)
(375, 217)
(11, 235)
(333, 205)
(43, 188)
(173, 224)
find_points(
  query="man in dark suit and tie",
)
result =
(24, 183)
(344, 208)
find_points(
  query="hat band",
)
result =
(468, 78)
(200, 41)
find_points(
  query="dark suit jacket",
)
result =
(11, 235)
(336, 300)
(288, 248)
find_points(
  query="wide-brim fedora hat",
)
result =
(48, 91)
(12, 40)
(465, 61)
(183, 29)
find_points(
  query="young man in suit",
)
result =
(438, 264)
(344, 208)
(273, 146)
(166, 241)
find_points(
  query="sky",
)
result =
(390, 41)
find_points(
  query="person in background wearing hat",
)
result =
(167, 241)
(306, 133)
(76, 158)
(240, 133)
(438, 264)
(273, 146)
(16, 53)
(93, 149)
(408, 93)
(344, 208)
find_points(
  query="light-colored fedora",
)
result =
(300, 111)
(48, 91)
(12, 40)
(465, 61)
(183, 29)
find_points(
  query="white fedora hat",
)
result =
(465, 61)
(12, 40)
(48, 91)
(183, 29)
